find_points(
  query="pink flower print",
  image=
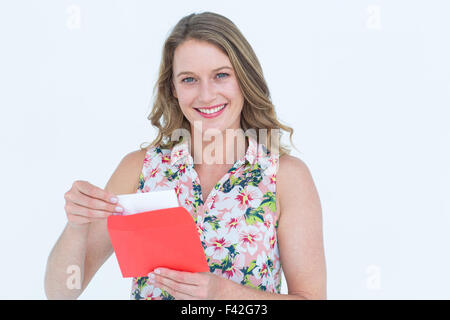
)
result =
(232, 172)
(182, 168)
(147, 160)
(217, 248)
(273, 160)
(273, 179)
(152, 294)
(153, 177)
(166, 158)
(213, 201)
(234, 272)
(262, 270)
(248, 197)
(161, 185)
(232, 224)
(200, 230)
(178, 190)
(154, 172)
(249, 240)
(272, 168)
(224, 211)
(179, 153)
(244, 197)
(266, 227)
(270, 240)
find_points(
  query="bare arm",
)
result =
(300, 238)
(300, 235)
(84, 244)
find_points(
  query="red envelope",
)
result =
(158, 238)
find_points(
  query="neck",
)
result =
(218, 149)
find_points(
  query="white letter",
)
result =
(74, 281)
(74, 18)
(373, 281)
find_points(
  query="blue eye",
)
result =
(222, 73)
(187, 81)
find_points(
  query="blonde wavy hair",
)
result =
(258, 111)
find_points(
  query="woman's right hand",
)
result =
(86, 203)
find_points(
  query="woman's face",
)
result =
(203, 79)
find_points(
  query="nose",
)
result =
(207, 93)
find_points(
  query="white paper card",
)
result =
(147, 201)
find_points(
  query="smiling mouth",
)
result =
(211, 110)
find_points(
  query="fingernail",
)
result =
(119, 209)
(151, 276)
(157, 271)
(113, 200)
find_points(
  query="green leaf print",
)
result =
(233, 180)
(197, 190)
(166, 295)
(214, 266)
(261, 287)
(252, 266)
(141, 282)
(141, 182)
(232, 250)
(248, 271)
(227, 263)
(269, 201)
(253, 216)
(213, 222)
(278, 287)
(170, 175)
(137, 294)
(251, 176)
(227, 186)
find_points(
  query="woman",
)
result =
(256, 207)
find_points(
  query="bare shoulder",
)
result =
(295, 183)
(292, 171)
(125, 178)
(300, 234)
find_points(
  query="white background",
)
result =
(364, 84)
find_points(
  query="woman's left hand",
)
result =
(189, 285)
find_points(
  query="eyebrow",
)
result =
(189, 72)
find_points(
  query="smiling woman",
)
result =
(257, 213)
(207, 62)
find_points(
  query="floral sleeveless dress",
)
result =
(237, 223)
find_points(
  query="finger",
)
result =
(74, 209)
(175, 294)
(94, 191)
(86, 201)
(177, 289)
(179, 276)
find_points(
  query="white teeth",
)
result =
(209, 111)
